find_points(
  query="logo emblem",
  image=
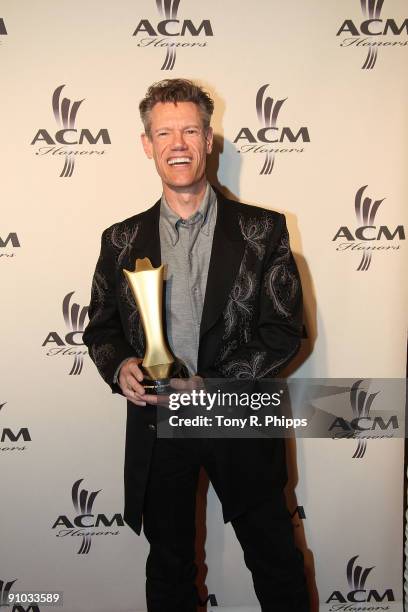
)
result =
(74, 317)
(371, 10)
(366, 211)
(82, 523)
(83, 502)
(368, 237)
(67, 136)
(359, 593)
(70, 343)
(356, 574)
(361, 403)
(365, 425)
(5, 588)
(166, 33)
(371, 32)
(65, 113)
(282, 138)
(267, 110)
(168, 10)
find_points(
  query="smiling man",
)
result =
(233, 309)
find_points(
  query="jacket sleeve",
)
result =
(276, 337)
(104, 335)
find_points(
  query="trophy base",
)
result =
(156, 379)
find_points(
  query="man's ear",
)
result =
(147, 145)
(209, 137)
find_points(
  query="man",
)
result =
(233, 309)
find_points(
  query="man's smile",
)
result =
(179, 161)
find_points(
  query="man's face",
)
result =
(178, 143)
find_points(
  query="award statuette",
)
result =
(159, 364)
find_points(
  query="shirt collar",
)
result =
(201, 216)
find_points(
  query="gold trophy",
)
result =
(159, 364)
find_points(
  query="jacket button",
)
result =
(152, 427)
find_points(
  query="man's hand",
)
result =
(184, 385)
(130, 378)
(187, 384)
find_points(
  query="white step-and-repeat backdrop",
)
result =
(311, 120)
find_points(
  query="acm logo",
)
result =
(357, 578)
(366, 232)
(85, 519)
(362, 423)
(15, 436)
(6, 591)
(162, 33)
(67, 344)
(65, 114)
(11, 241)
(366, 33)
(270, 132)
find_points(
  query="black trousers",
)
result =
(264, 532)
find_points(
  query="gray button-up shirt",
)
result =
(186, 248)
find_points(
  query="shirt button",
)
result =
(152, 427)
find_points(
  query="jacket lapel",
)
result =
(226, 255)
(147, 243)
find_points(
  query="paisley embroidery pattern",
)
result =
(239, 308)
(241, 368)
(255, 231)
(121, 237)
(281, 282)
(136, 333)
(252, 368)
(99, 290)
(226, 350)
(274, 367)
